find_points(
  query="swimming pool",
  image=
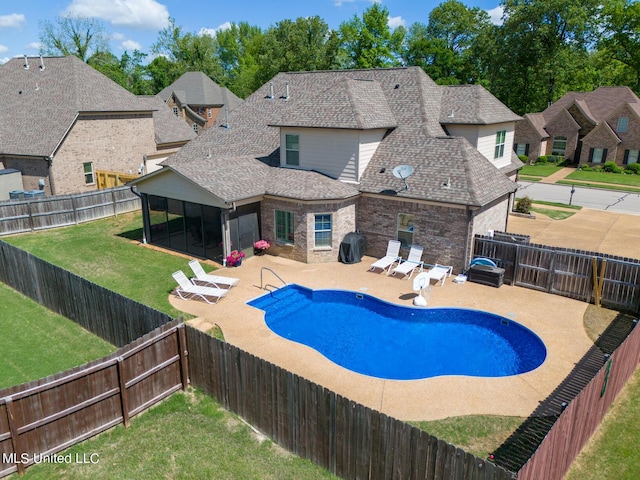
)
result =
(370, 336)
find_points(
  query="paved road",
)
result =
(600, 199)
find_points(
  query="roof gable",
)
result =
(473, 104)
(562, 119)
(52, 98)
(196, 88)
(167, 126)
(599, 103)
(598, 132)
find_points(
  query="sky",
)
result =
(134, 24)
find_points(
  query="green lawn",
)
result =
(35, 342)
(186, 436)
(604, 177)
(103, 252)
(539, 170)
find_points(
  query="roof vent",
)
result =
(452, 114)
(41, 63)
(37, 87)
(226, 117)
(286, 95)
(447, 184)
(26, 63)
(271, 95)
(397, 86)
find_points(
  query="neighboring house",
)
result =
(585, 127)
(171, 134)
(310, 157)
(62, 121)
(198, 100)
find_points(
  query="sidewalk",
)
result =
(559, 175)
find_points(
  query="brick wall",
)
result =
(32, 169)
(343, 216)
(601, 137)
(563, 125)
(112, 142)
(630, 139)
(526, 133)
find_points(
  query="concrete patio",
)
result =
(556, 320)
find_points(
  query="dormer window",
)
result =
(175, 111)
(501, 138)
(292, 149)
(623, 124)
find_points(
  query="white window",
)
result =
(501, 137)
(88, 172)
(623, 124)
(322, 230)
(292, 149)
(522, 149)
(559, 146)
(284, 226)
(631, 156)
(405, 229)
(209, 113)
(597, 155)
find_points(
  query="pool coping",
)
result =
(558, 321)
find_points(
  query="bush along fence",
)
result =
(43, 417)
(113, 317)
(592, 277)
(18, 216)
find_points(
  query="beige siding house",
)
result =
(310, 156)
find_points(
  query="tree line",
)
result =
(542, 50)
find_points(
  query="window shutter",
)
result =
(604, 155)
(526, 149)
(626, 157)
(590, 155)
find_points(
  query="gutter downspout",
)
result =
(145, 216)
(50, 175)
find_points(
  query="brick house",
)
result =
(198, 100)
(310, 156)
(62, 121)
(585, 127)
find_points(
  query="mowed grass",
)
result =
(186, 436)
(105, 253)
(539, 170)
(35, 342)
(605, 177)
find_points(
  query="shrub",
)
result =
(611, 167)
(523, 158)
(634, 168)
(523, 205)
(554, 158)
(585, 167)
(542, 160)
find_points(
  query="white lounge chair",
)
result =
(439, 273)
(411, 264)
(207, 278)
(188, 291)
(392, 256)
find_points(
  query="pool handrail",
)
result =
(278, 276)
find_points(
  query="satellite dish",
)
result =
(403, 171)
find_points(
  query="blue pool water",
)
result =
(373, 337)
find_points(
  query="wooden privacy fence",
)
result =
(583, 415)
(113, 317)
(106, 179)
(17, 216)
(46, 416)
(347, 438)
(588, 276)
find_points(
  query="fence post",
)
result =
(15, 439)
(75, 209)
(124, 396)
(182, 350)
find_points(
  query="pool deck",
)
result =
(558, 321)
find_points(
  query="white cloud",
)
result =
(130, 45)
(212, 31)
(339, 3)
(140, 14)
(15, 20)
(394, 22)
(3, 49)
(4, 60)
(34, 45)
(495, 14)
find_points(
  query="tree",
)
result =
(369, 42)
(128, 71)
(302, 45)
(238, 50)
(621, 35)
(73, 35)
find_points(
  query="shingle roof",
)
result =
(196, 88)
(167, 126)
(347, 103)
(600, 103)
(419, 140)
(39, 105)
(473, 104)
(538, 122)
